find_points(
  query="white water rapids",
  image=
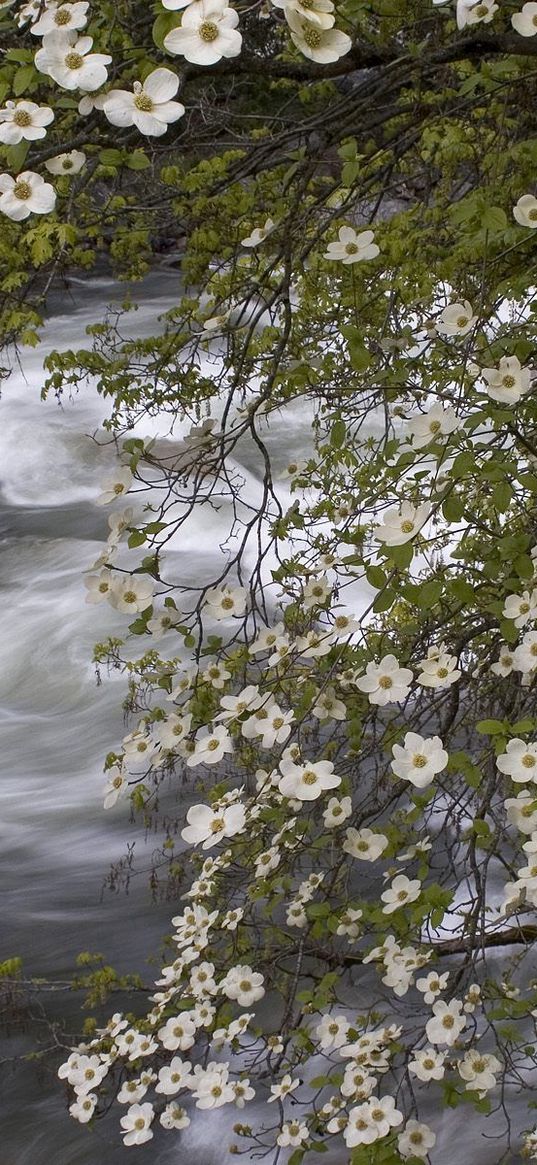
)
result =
(56, 840)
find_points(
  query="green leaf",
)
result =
(137, 538)
(401, 555)
(375, 576)
(162, 26)
(338, 433)
(23, 79)
(384, 600)
(138, 161)
(110, 157)
(490, 727)
(494, 219)
(502, 496)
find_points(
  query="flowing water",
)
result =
(57, 843)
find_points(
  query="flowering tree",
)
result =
(354, 690)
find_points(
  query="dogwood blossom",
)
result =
(525, 21)
(364, 844)
(352, 247)
(61, 18)
(432, 985)
(114, 487)
(401, 891)
(211, 747)
(475, 12)
(243, 985)
(71, 163)
(456, 320)
(416, 1140)
(174, 1117)
(447, 1022)
(419, 760)
(438, 669)
(178, 1033)
(318, 12)
(83, 1108)
(525, 655)
(385, 682)
(522, 608)
(132, 594)
(23, 120)
(283, 1088)
(26, 194)
(208, 32)
(519, 761)
(521, 812)
(209, 825)
(430, 426)
(509, 382)
(259, 234)
(306, 782)
(149, 107)
(479, 1070)
(525, 211)
(136, 1124)
(332, 1031)
(69, 61)
(222, 602)
(328, 707)
(292, 1133)
(428, 1064)
(336, 812)
(371, 1120)
(400, 525)
(323, 45)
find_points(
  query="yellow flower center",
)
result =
(143, 102)
(377, 1114)
(419, 761)
(402, 895)
(416, 1138)
(533, 213)
(129, 596)
(351, 248)
(407, 527)
(309, 777)
(139, 1123)
(528, 760)
(385, 682)
(442, 673)
(22, 117)
(62, 16)
(313, 39)
(508, 382)
(118, 488)
(22, 190)
(462, 321)
(75, 61)
(435, 426)
(217, 824)
(208, 31)
(479, 1065)
(448, 1021)
(227, 604)
(245, 985)
(212, 745)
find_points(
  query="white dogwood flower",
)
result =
(71, 163)
(223, 602)
(211, 747)
(208, 32)
(419, 760)
(479, 1070)
(456, 320)
(306, 782)
(259, 234)
(519, 761)
(352, 247)
(475, 12)
(323, 45)
(399, 526)
(132, 594)
(332, 1031)
(509, 382)
(428, 1065)
(178, 1033)
(439, 669)
(243, 985)
(525, 21)
(136, 1124)
(525, 211)
(432, 985)
(364, 844)
(208, 826)
(174, 1117)
(24, 120)
(149, 107)
(336, 812)
(522, 608)
(430, 426)
(115, 486)
(26, 194)
(84, 1107)
(385, 682)
(61, 18)
(402, 891)
(319, 12)
(416, 1140)
(447, 1023)
(371, 1120)
(69, 61)
(292, 1133)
